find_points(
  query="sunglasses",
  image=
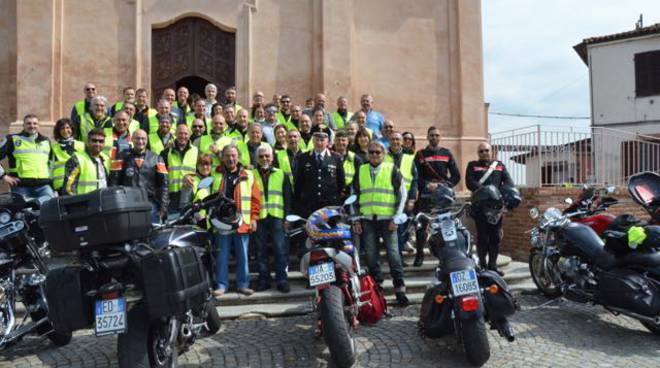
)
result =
(97, 140)
(484, 151)
(375, 152)
(198, 126)
(90, 89)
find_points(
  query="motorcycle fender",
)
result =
(345, 260)
(304, 262)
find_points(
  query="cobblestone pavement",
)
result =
(560, 335)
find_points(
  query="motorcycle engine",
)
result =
(575, 271)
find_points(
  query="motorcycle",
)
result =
(569, 259)
(23, 255)
(462, 298)
(345, 294)
(149, 287)
(589, 206)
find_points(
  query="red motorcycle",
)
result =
(590, 205)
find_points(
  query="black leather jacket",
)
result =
(150, 175)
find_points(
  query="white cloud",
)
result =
(530, 66)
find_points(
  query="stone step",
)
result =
(514, 273)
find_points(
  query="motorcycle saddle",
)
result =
(457, 264)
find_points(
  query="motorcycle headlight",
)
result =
(4, 217)
(551, 214)
(534, 213)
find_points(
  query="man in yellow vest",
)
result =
(80, 108)
(381, 196)
(239, 129)
(239, 184)
(133, 124)
(284, 114)
(143, 111)
(151, 124)
(213, 142)
(181, 107)
(87, 171)
(406, 165)
(117, 138)
(286, 160)
(230, 99)
(97, 118)
(28, 154)
(181, 161)
(276, 200)
(342, 115)
(163, 137)
(351, 161)
(128, 96)
(199, 112)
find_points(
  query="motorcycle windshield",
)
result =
(645, 188)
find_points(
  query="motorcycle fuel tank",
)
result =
(582, 241)
(598, 222)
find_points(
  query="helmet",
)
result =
(325, 225)
(511, 197)
(443, 196)
(225, 217)
(487, 196)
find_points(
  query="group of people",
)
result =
(273, 159)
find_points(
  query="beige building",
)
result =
(420, 59)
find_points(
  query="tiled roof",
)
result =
(581, 48)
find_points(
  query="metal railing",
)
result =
(567, 156)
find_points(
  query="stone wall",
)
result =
(517, 222)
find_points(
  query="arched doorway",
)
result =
(192, 52)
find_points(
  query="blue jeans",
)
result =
(155, 213)
(275, 228)
(371, 231)
(34, 192)
(240, 243)
(402, 235)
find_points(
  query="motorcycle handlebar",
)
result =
(456, 213)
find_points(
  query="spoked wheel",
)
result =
(159, 355)
(541, 275)
(143, 344)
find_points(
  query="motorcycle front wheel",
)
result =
(336, 331)
(540, 275)
(139, 346)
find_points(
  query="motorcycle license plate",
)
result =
(323, 273)
(110, 317)
(448, 229)
(464, 282)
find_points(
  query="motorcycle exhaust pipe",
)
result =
(186, 332)
(655, 320)
(10, 324)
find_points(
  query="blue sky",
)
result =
(530, 66)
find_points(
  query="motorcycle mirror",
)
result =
(568, 201)
(611, 189)
(205, 183)
(293, 218)
(350, 200)
(534, 213)
(400, 219)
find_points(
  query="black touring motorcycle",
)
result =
(463, 297)
(149, 285)
(621, 273)
(23, 255)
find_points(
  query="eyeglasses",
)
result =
(484, 151)
(375, 152)
(90, 89)
(97, 140)
(198, 126)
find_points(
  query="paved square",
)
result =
(559, 335)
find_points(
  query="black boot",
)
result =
(419, 256)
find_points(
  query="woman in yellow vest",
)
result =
(62, 149)
(361, 144)
(193, 194)
(280, 137)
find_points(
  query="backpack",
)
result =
(373, 311)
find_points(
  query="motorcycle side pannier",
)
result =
(175, 280)
(435, 319)
(629, 290)
(69, 307)
(500, 305)
(105, 216)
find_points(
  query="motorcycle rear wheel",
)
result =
(213, 321)
(540, 275)
(336, 331)
(475, 341)
(137, 347)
